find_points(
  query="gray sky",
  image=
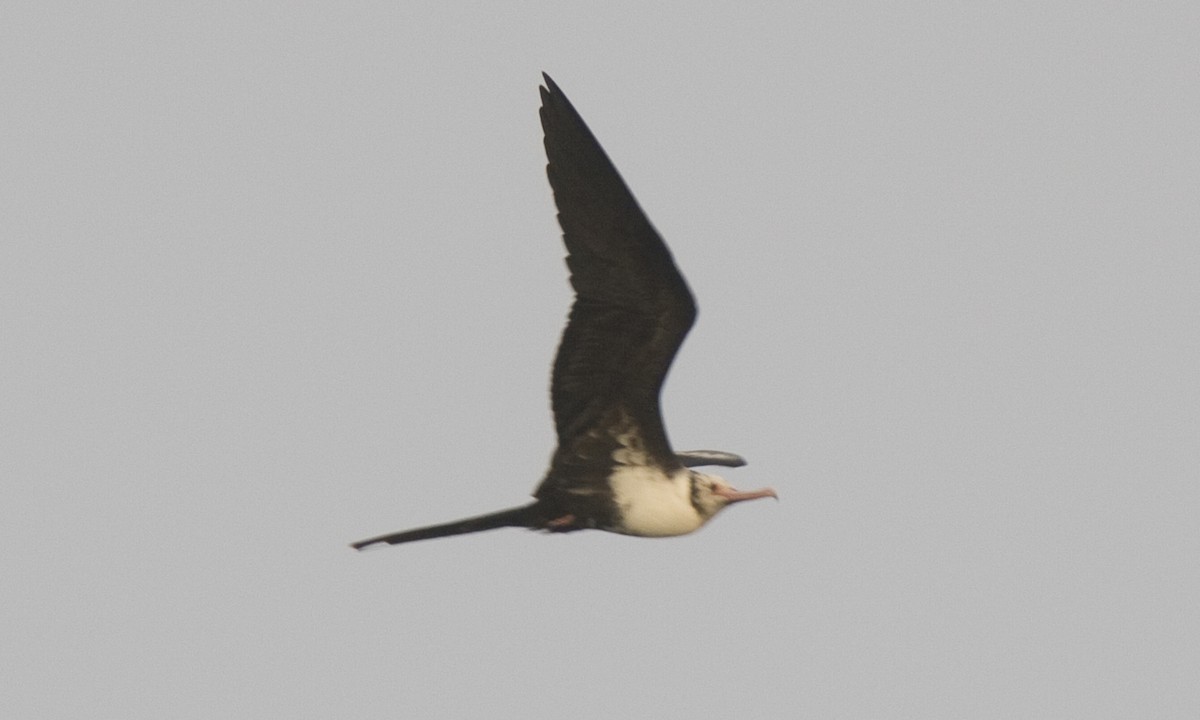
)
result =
(277, 277)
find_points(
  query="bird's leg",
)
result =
(561, 523)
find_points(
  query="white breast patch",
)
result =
(654, 504)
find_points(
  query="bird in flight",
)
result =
(614, 468)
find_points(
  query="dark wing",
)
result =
(701, 458)
(632, 307)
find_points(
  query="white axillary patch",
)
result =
(632, 451)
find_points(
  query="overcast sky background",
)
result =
(279, 276)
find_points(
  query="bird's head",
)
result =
(711, 494)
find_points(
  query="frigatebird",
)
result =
(614, 468)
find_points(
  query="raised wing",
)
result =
(632, 307)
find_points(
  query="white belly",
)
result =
(654, 504)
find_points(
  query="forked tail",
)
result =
(524, 516)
